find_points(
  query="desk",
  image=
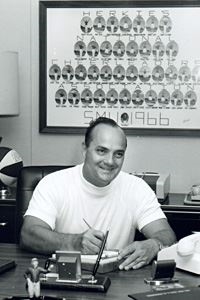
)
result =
(122, 282)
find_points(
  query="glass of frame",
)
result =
(134, 61)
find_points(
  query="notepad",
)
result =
(91, 258)
(108, 263)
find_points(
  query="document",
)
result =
(186, 293)
(108, 263)
(110, 255)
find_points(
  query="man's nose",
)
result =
(109, 159)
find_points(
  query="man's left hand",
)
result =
(138, 254)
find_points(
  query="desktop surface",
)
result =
(175, 202)
(12, 283)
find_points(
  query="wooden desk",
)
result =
(122, 282)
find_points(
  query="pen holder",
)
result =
(65, 273)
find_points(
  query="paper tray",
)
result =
(192, 200)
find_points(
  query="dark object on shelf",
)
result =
(6, 264)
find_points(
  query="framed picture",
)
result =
(133, 61)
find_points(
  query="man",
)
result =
(99, 193)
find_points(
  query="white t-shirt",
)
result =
(64, 198)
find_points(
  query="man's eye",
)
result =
(119, 154)
(100, 151)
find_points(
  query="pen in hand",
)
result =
(90, 227)
(87, 223)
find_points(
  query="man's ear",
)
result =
(83, 149)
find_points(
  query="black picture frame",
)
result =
(46, 126)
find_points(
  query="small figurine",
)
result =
(32, 276)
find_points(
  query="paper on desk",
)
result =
(110, 255)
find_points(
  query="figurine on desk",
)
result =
(32, 276)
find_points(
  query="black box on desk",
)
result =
(67, 267)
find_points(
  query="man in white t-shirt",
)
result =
(97, 193)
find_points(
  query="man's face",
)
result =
(105, 155)
(35, 263)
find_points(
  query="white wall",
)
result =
(15, 35)
(19, 31)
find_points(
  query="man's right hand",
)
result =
(91, 241)
(37, 236)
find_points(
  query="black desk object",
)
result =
(101, 285)
(6, 264)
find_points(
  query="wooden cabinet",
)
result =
(7, 220)
(183, 224)
(184, 219)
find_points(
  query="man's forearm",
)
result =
(161, 232)
(45, 241)
(165, 237)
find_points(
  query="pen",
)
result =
(87, 223)
(100, 254)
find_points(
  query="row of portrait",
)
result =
(125, 97)
(132, 49)
(120, 73)
(126, 24)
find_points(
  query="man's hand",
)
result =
(91, 241)
(28, 281)
(138, 254)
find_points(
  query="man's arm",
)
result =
(140, 253)
(37, 236)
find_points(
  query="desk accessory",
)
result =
(109, 262)
(100, 254)
(67, 273)
(186, 253)
(193, 198)
(100, 284)
(6, 264)
(68, 265)
(186, 293)
(162, 272)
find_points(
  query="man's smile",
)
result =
(107, 169)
